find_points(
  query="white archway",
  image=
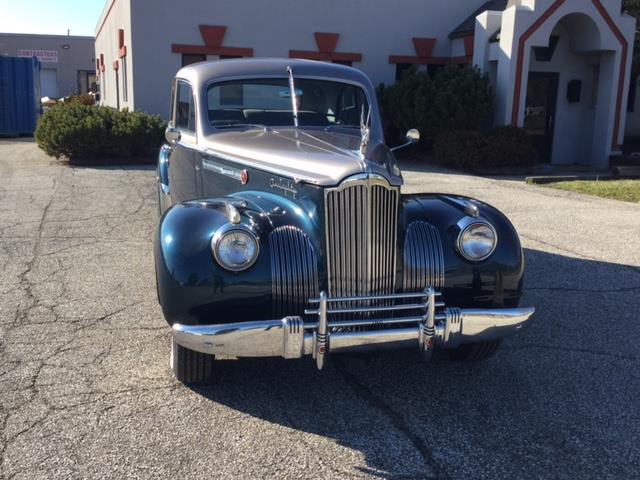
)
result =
(568, 92)
(592, 50)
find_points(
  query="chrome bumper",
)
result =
(291, 337)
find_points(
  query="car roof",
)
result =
(200, 73)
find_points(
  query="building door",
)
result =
(49, 83)
(540, 112)
(86, 81)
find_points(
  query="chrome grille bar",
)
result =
(397, 296)
(392, 308)
(423, 257)
(361, 226)
(294, 271)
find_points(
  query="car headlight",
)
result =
(235, 249)
(477, 241)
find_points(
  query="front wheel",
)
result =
(190, 367)
(475, 352)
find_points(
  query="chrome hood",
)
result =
(305, 155)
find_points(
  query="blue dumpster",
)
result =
(19, 95)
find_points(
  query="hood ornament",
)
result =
(365, 130)
(292, 92)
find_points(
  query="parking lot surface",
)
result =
(86, 390)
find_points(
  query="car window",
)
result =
(185, 109)
(268, 102)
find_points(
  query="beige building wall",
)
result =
(376, 30)
(595, 38)
(116, 86)
(67, 61)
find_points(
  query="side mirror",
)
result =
(412, 136)
(172, 134)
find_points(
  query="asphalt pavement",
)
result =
(86, 390)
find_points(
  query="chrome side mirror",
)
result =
(412, 136)
(172, 134)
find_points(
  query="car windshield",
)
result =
(267, 102)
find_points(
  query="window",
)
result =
(190, 58)
(86, 81)
(125, 89)
(117, 90)
(185, 110)
(320, 103)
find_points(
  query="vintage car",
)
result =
(284, 232)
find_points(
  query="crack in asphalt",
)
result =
(54, 272)
(369, 396)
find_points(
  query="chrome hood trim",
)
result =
(305, 155)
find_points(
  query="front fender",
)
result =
(192, 287)
(495, 282)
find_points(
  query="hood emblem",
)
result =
(286, 187)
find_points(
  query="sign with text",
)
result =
(49, 56)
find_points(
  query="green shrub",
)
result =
(461, 149)
(511, 146)
(391, 131)
(84, 99)
(455, 98)
(87, 132)
(474, 150)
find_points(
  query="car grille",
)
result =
(294, 271)
(423, 258)
(361, 229)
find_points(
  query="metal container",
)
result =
(19, 95)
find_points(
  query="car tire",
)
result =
(475, 352)
(190, 367)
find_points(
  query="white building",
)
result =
(560, 68)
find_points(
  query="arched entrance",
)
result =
(561, 67)
(569, 86)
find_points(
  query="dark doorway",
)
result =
(540, 111)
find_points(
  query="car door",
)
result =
(183, 175)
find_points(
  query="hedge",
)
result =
(474, 150)
(455, 98)
(82, 132)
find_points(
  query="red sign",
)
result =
(48, 56)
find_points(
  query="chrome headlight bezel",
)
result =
(221, 234)
(467, 224)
